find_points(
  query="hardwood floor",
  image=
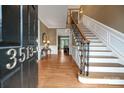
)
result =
(60, 71)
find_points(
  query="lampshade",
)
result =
(44, 41)
(48, 41)
(81, 10)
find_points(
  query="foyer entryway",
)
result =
(60, 71)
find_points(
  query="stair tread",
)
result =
(88, 33)
(95, 41)
(85, 30)
(100, 51)
(103, 57)
(106, 64)
(107, 57)
(97, 50)
(92, 38)
(81, 26)
(97, 46)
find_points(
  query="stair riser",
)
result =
(95, 48)
(98, 48)
(106, 69)
(93, 40)
(87, 33)
(84, 28)
(99, 53)
(90, 35)
(100, 81)
(96, 43)
(100, 60)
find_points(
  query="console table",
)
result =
(46, 50)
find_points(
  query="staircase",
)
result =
(104, 67)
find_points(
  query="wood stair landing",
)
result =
(104, 67)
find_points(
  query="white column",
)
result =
(39, 41)
(70, 42)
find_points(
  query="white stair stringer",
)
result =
(102, 62)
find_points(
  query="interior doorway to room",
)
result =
(63, 44)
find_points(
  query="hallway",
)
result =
(60, 71)
(57, 71)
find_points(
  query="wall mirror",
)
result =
(44, 37)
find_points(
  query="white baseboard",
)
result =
(112, 38)
(54, 49)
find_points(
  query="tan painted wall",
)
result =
(43, 29)
(51, 33)
(110, 15)
(52, 36)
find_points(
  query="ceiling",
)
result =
(54, 16)
(73, 6)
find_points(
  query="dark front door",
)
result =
(18, 46)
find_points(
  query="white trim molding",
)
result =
(112, 38)
(39, 40)
(54, 49)
(65, 32)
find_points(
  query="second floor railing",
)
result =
(82, 43)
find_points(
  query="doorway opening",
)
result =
(63, 45)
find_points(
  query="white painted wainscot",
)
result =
(112, 38)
